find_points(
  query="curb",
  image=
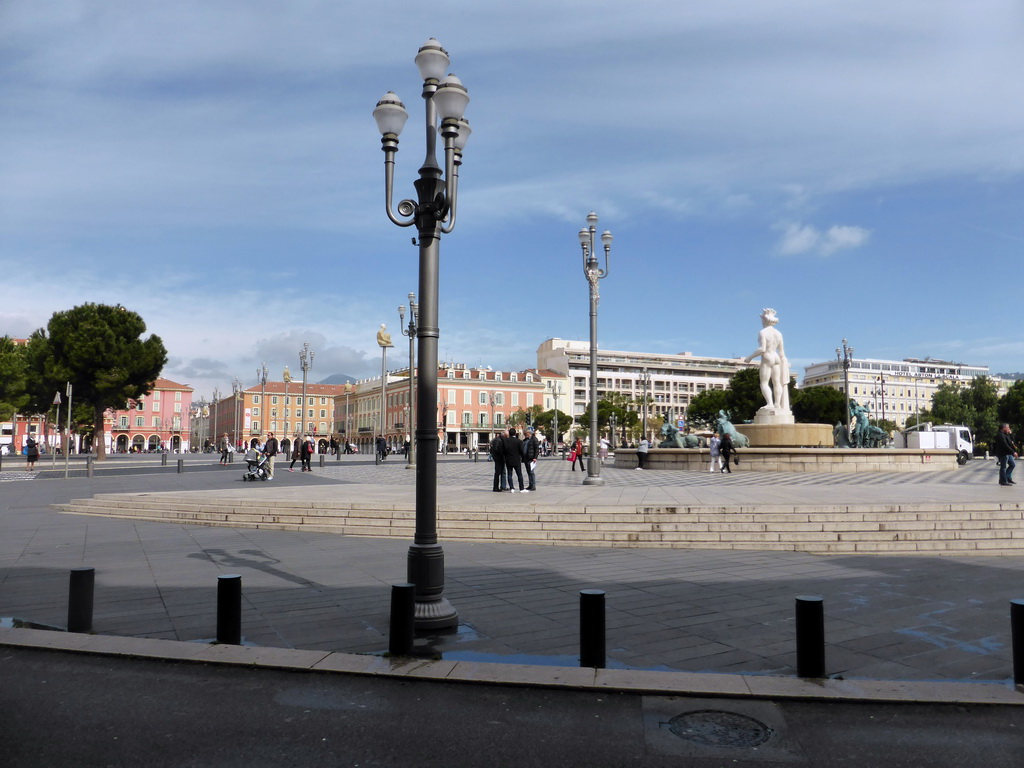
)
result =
(637, 682)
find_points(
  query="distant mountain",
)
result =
(338, 378)
(1014, 376)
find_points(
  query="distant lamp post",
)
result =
(215, 431)
(611, 442)
(306, 356)
(384, 342)
(845, 358)
(410, 331)
(286, 375)
(645, 378)
(880, 390)
(348, 427)
(236, 389)
(261, 375)
(594, 274)
(433, 213)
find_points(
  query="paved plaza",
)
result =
(887, 616)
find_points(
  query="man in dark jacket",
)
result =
(382, 448)
(531, 450)
(513, 459)
(497, 449)
(271, 449)
(1006, 452)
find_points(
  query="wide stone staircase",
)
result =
(984, 528)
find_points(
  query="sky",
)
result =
(857, 165)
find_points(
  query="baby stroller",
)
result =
(256, 463)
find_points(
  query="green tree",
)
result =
(818, 405)
(744, 395)
(546, 423)
(99, 349)
(13, 379)
(704, 408)
(948, 406)
(982, 398)
(1011, 406)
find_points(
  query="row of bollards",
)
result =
(810, 622)
(82, 588)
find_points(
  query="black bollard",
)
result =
(322, 457)
(592, 642)
(229, 609)
(231, 457)
(403, 616)
(80, 594)
(337, 454)
(1017, 639)
(163, 459)
(181, 466)
(476, 457)
(810, 636)
(88, 465)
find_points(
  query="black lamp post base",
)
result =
(439, 614)
(593, 480)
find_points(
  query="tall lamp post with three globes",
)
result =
(432, 213)
(594, 274)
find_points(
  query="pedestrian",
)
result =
(307, 453)
(271, 449)
(513, 459)
(497, 451)
(296, 452)
(602, 451)
(641, 452)
(531, 450)
(31, 453)
(1006, 453)
(382, 448)
(577, 454)
(726, 448)
(225, 448)
(716, 454)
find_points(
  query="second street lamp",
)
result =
(594, 274)
(432, 213)
(845, 358)
(414, 310)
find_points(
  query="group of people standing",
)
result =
(510, 455)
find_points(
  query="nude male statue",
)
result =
(774, 365)
(383, 337)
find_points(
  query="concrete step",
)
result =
(907, 528)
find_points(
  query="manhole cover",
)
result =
(715, 728)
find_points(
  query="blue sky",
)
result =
(858, 166)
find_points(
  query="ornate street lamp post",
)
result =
(645, 377)
(410, 331)
(286, 375)
(215, 431)
(556, 390)
(845, 357)
(306, 356)
(594, 274)
(261, 376)
(433, 213)
(384, 341)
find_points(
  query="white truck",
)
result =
(939, 436)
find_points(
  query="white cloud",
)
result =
(798, 239)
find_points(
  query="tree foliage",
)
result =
(744, 395)
(704, 408)
(819, 405)
(13, 378)
(1011, 406)
(99, 349)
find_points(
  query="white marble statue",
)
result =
(383, 337)
(774, 365)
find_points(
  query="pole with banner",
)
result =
(67, 441)
(56, 401)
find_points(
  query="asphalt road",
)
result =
(59, 709)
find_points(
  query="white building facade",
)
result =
(893, 389)
(670, 381)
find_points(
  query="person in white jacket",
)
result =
(716, 453)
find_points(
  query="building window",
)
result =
(323, 413)
(323, 401)
(256, 427)
(155, 395)
(156, 406)
(451, 374)
(177, 407)
(513, 377)
(156, 422)
(255, 399)
(273, 399)
(467, 397)
(465, 374)
(483, 398)
(483, 419)
(177, 397)
(139, 421)
(499, 419)
(124, 422)
(515, 399)
(529, 377)
(467, 418)
(140, 405)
